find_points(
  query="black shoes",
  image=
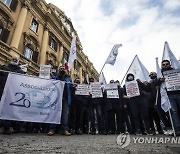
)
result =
(7, 132)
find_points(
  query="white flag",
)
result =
(102, 79)
(168, 55)
(72, 55)
(138, 70)
(113, 54)
(165, 104)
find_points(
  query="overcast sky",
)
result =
(141, 26)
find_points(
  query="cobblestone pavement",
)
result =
(77, 144)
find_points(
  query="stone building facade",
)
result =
(40, 33)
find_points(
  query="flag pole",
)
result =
(157, 95)
(106, 59)
(171, 121)
(127, 71)
(102, 68)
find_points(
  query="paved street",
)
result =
(97, 144)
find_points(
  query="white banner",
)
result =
(112, 90)
(172, 80)
(31, 99)
(96, 90)
(82, 89)
(132, 89)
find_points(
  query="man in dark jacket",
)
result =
(66, 102)
(174, 98)
(13, 66)
(155, 111)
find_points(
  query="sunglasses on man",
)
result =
(165, 64)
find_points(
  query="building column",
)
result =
(60, 54)
(19, 28)
(80, 74)
(44, 47)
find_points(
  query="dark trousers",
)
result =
(96, 108)
(119, 112)
(76, 114)
(153, 117)
(139, 106)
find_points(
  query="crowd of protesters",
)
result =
(86, 115)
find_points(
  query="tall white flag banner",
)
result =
(113, 54)
(102, 79)
(31, 99)
(168, 55)
(138, 70)
(72, 55)
(165, 104)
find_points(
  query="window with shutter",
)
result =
(28, 53)
(34, 25)
(4, 35)
(13, 5)
(35, 56)
(52, 43)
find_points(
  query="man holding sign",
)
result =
(172, 80)
(134, 91)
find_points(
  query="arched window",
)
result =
(29, 53)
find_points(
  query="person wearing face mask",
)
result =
(155, 111)
(138, 106)
(12, 66)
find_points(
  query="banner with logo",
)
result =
(32, 99)
(112, 90)
(172, 80)
(132, 89)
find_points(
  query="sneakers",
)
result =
(51, 132)
(78, 132)
(66, 133)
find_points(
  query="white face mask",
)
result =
(14, 63)
(130, 78)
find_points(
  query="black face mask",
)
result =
(62, 72)
(153, 77)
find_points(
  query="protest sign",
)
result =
(132, 89)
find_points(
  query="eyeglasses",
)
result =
(165, 64)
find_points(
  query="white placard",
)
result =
(132, 88)
(45, 71)
(96, 90)
(112, 90)
(32, 99)
(172, 80)
(82, 89)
